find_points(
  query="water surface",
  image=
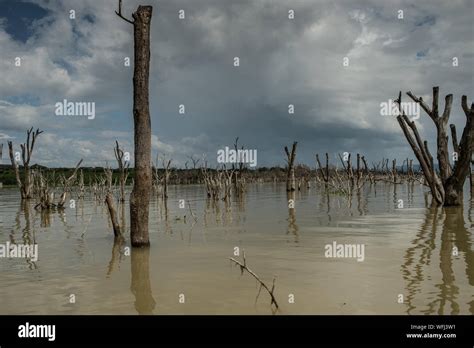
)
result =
(425, 254)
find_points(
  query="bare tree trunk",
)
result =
(81, 185)
(447, 189)
(109, 200)
(27, 148)
(140, 196)
(123, 170)
(290, 176)
(327, 167)
(166, 177)
(324, 174)
(67, 184)
(394, 171)
(455, 183)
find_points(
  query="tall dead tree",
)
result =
(140, 196)
(25, 185)
(446, 185)
(123, 169)
(324, 173)
(290, 174)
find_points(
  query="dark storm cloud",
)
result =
(282, 62)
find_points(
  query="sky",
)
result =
(283, 61)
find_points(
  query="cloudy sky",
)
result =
(282, 61)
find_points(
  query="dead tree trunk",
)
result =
(394, 171)
(123, 170)
(109, 200)
(455, 182)
(348, 168)
(324, 174)
(370, 175)
(81, 185)
(194, 160)
(447, 188)
(25, 185)
(290, 175)
(67, 184)
(140, 196)
(166, 177)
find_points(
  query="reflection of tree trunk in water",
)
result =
(456, 225)
(27, 231)
(206, 211)
(471, 224)
(328, 205)
(325, 203)
(448, 290)
(217, 210)
(81, 208)
(395, 196)
(292, 226)
(227, 213)
(45, 218)
(166, 216)
(453, 229)
(140, 286)
(411, 189)
(359, 203)
(241, 204)
(116, 254)
(412, 270)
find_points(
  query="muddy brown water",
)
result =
(424, 254)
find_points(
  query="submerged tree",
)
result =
(290, 174)
(26, 184)
(109, 200)
(140, 196)
(446, 185)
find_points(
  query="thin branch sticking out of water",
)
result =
(192, 213)
(243, 267)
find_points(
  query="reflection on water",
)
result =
(442, 240)
(424, 253)
(117, 254)
(140, 285)
(292, 226)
